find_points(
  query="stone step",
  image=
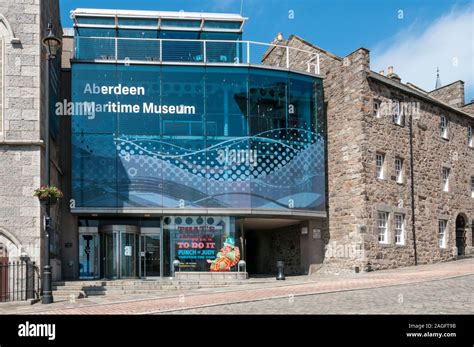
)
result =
(66, 295)
(144, 285)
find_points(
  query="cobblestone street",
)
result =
(451, 296)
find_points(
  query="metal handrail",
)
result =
(241, 56)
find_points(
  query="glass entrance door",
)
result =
(128, 255)
(150, 255)
(88, 256)
(119, 251)
(109, 254)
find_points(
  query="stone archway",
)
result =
(7, 29)
(10, 243)
(461, 222)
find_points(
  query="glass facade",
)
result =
(170, 115)
(133, 247)
(197, 137)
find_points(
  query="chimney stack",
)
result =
(382, 72)
(280, 37)
(392, 75)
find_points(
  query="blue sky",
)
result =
(415, 36)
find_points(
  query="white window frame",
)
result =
(472, 188)
(379, 165)
(376, 108)
(444, 126)
(442, 231)
(2, 85)
(470, 136)
(399, 170)
(397, 116)
(382, 227)
(399, 227)
(446, 172)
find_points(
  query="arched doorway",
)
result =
(461, 234)
(3, 272)
(3, 250)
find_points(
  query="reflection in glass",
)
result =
(254, 139)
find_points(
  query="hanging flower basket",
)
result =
(48, 195)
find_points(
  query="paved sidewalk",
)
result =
(164, 302)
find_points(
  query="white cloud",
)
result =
(447, 43)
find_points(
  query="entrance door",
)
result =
(88, 256)
(150, 255)
(128, 255)
(119, 251)
(460, 234)
(109, 254)
(3, 273)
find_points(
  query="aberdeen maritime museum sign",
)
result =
(90, 108)
(113, 90)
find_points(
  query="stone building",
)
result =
(23, 83)
(398, 167)
(400, 164)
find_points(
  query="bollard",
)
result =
(281, 270)
(175, 265)
(242, 266)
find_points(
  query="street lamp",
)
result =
(52, 45)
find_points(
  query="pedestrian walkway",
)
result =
(301, 286)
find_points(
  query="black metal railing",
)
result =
(19, 280)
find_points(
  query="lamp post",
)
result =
(52, 44)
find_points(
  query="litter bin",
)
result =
(281, 270)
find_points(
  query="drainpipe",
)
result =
(412, 174)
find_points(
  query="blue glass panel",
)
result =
(224, 52)
(227, 135)
(140, 170)
(176, 23)
(153, 22)
(88, 48)
(183, 141)
(136, 116)
(136, 49)
(181, 51)
(96, 20)
(221, 36)
(307, 181)
(96, 32)
(181, 35)
(135, 33)
(87, 83)
(217, 24)
(94, 170)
